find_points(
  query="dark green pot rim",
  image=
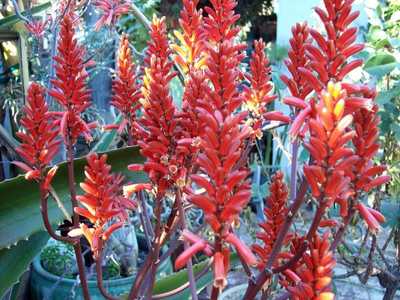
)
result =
(37, 266)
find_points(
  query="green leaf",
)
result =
(175, 280)
(391, 211)
(13, 19)
(14, 261)
(380, 64)
(20, 214)
(107, 138)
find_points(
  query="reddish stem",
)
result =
(46, 221)
(214, 293)
(156, 247)
(77, 246)
(189, 264)
(99, 273)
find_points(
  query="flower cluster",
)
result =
(190, 52)
(257, 95)
(37, 27)
(297, 84)
(312, 280)
(221, 144)
(329, 57)
(102, 203)
(276, 212)
(111, 11)
(70, 84)
(126, 91)
(157, 127)
(39, 143)
(363, 173)
(191, 57)
(328, 146)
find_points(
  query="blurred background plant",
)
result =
(383, 65)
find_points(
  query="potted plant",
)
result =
(54, 274)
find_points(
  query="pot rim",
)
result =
(37, 266)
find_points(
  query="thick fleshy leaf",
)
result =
(14, 261)
(13, 19)
(20, 214)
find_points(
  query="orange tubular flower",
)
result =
(111, 11)
(297, 84)
(257, 95)
(190, 52)
(366, 122)
(329, 57)
(126, 91)
(221, 141)
(327, 145)
(38, 144)
(360, 167)
(158, 126)
(191, 56)
(102, 202)
(70, 85)
(275, 212)
(313, 279)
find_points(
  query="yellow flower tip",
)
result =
(334, 89)
(323, 282)
(339, 109)
(326, 296)
(330, 87)
(156, 21)
(201, 63)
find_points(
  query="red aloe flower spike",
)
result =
(111, 11)
(37, 28)
(69, 86)
(102, 202)
(158, 125)
(224, 56)
(38, 144)
(316, 273)
(275, 213)
(257, 95)
(297, 84)
(329, 57)
(328, 129)
(126, 91)
(191, 57)
(366, 122)
(190, 53)
(221, 139)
